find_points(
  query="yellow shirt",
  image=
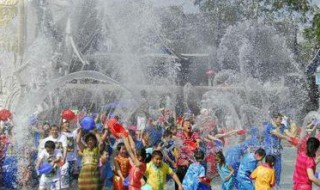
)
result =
(90, 157)
(264, 176)
(156, 176)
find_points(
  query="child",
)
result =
(122, 166)
(52, 156)
(156, 172)
(303, 176)
(139, 167)
(264, 174)
(89, 177)
(249, 163)
(106, 171)
(225, 171)
(194, 173)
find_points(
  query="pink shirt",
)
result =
(135, 176)
(303, 162)
(185, 154)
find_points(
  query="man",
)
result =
(248, 163)
(274, 132)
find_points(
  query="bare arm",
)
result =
(176, 179)
(79, 142)
(118, 171)
(231, 173)
(312, 177)
(130, 151)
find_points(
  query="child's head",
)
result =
(312, 146)
(259, 154)
(49, 146)
(91, 140)
(220, 158)
(141, 154)
(122, 149)
(199, 155)
(173, 129)
(270, 160)
(167, 135)
(156, 158)
(145, 138)
(104, 157)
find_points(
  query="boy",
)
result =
(157, 171)
(249, 163)
(52, 156)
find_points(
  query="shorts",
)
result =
(49, 183)
(66, 174)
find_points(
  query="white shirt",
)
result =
(71, 145)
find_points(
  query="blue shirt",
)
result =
(271, 142)
(247, 165)
(191, 179)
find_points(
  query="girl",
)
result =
(225, 171)
(195, 172)
(139, 167)
(89, 177)
(122, 165)
(264, 174)
(303, 176)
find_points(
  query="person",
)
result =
(89, 177)
(157, 171)
(59, 140)
(122, 167)
(53, 156)
(304, 172)
(264, 175)
(185, 155)
(195, 172)
(225, 171)
(106, 171)
(274, 132)
(67, 170)
(248, 163)
(139, 167)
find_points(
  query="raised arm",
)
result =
(79, 142)
(127, 142)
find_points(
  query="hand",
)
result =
(180, 187)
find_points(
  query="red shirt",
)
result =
(185, 154)
(303, 162)
(135, 176)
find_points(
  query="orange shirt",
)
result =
(265, 177)
(124, 165)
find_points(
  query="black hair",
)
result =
(220, 155)
(90, 135)
(270, 160)
(199, 155)
(276, 115)
(119, 145)
(261, 152)
(50, 144)
(54, 126)
(157, 153)
(312, 146)
(167, 133)
(142, 153)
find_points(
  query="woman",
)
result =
(304, 171)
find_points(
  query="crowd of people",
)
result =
(99, 151)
